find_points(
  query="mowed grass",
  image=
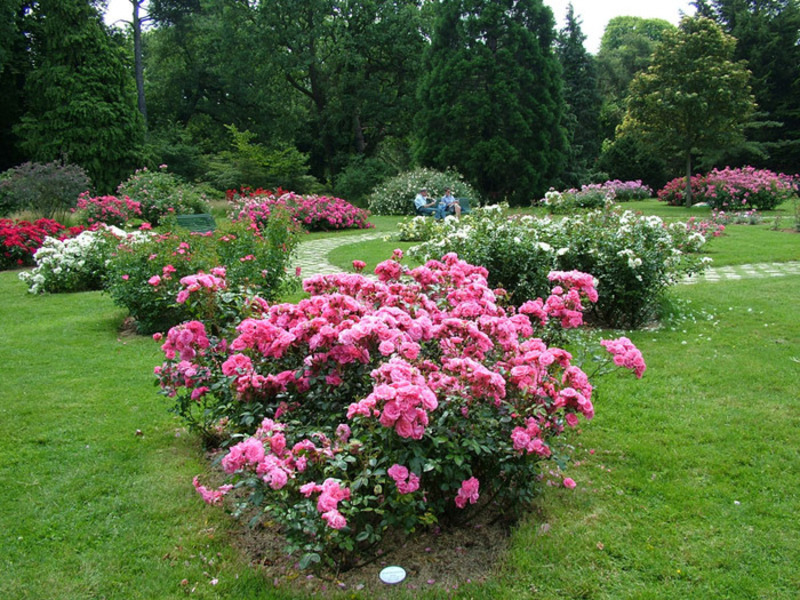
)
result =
(691, 492)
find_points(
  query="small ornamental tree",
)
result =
(693, 97)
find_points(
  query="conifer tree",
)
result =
(582, 97)
(491, 101)
(79, 99)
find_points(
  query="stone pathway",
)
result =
(754, 271)
(312, 258)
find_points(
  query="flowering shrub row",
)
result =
(395, 403)
(633, 257)
(596, 195)
(312, 213)
(745, 187)
(108, 209)
(739, 217)
(19, 240)
(73, 264)
(146, 274)
(396, 195)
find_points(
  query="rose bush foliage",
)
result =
(74, 264)
(161, 194)
(146, 271)
(383, 404)
(634, 258)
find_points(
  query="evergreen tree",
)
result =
(694, 97)
(768, 38)
(79, 99)
(491, 101)
(583, 99)
(14, 65)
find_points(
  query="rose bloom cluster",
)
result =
(312, 213)
(391, 402)
(19, 240)
(108, 209)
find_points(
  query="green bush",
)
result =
(160, 194)
(395, 196)
(634, 258)
(47, 189)
(144, 276)
(360, 177)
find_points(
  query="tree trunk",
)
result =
(137, 60)
(689, 179)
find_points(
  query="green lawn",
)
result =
(692, 491)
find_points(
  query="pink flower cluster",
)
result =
(313, 213)
(406, 481)
(733, 187)
(108, 209)
(468, 492)
(626, 355)
(209, 282)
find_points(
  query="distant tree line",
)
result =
(338, 95)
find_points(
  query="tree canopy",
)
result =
(694, 96)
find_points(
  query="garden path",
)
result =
(312, 258)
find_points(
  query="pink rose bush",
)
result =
(734, 188)
(110, 210)
(312, 213)
(392, 403)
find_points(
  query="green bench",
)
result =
(464, 203)
(202, 223)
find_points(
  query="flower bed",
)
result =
(312, 213)
(633, 257)
(391, 404)
(732, 189)
(19, 240)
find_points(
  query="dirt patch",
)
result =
(436, 558)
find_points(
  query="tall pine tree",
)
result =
(79, 99)
(491, 101)
(583, 100)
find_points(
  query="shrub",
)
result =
(48, 189)
(395, 196)
(589, 196)
(160, 193)
(145, 274)
(19, 240)
(625, 191)
(360, 177)
(312, 213)
(74, 264)
(108, 209)
(634, 258)
(400, 403)
(727, 189)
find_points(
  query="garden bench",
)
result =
(202, 223)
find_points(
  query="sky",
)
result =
(593, 14)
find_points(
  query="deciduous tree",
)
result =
(694, 96)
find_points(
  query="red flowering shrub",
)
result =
(395, 403)
(312, 213)
(19, 240)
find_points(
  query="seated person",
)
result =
(421, 204)
(448, 206)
